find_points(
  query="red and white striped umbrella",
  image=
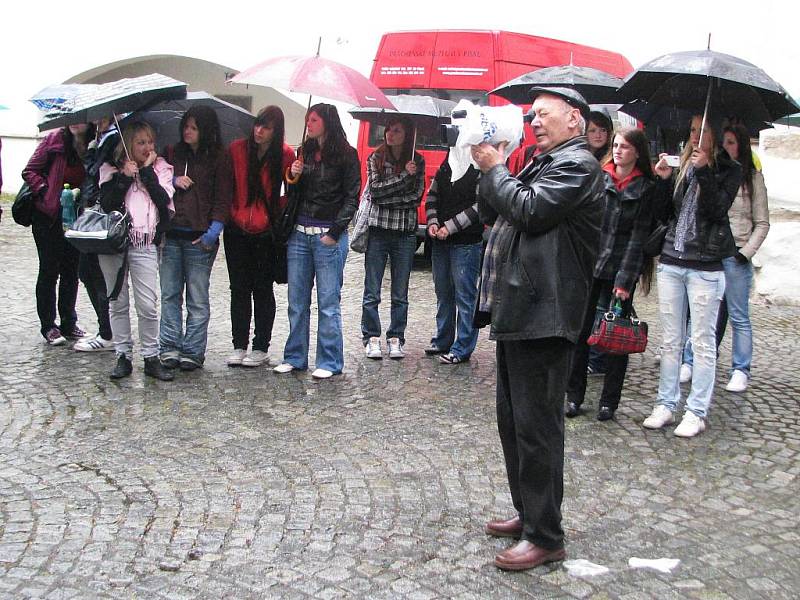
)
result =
(316, 76)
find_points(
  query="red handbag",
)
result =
(617, 334)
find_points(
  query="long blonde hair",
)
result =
(688, 149)
(127, 136)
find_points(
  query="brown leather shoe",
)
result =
(509, 528)
(526, 555)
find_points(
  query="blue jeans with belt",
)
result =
(311, 262)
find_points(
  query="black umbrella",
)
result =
(426, 112)
(107, 99)
(674, 118)
(597, 87)
(704, 79)
(165, 117)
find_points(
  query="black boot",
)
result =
(154, 368)
(123, 367)
(605, 413)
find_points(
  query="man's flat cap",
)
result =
(569, 95)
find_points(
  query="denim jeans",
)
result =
(456, 268)
(702, 291)
(249, 260)
(184, 265)
(143, 273)
(736, 306)
(92, 277)
(310, 261)
(398, 247)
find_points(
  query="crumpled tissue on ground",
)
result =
(583, 568)
(664, 565)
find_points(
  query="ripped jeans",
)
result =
(702, 291)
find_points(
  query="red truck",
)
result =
(456, 64)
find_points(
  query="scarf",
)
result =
(143, 213)
(686, 227)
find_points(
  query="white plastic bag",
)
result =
(492, 124)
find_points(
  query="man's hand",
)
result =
(442, 233)
(487, 156)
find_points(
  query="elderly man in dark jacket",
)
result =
(534, 288)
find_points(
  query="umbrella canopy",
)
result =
(316, 76)
(426, 112)
(125, 95)
(732, 87)
(598, 87)
(165, 117)
(60, 98)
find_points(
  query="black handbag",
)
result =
(283, 226)
(98, 232)
(22, 209)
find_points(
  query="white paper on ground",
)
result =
(583, 568)
(664, 565)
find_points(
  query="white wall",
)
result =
(16, 152)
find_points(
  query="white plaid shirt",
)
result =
(395, 197)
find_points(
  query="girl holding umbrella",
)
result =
(202, 202)
(138, 182)
(690, 272)
(396, 184)
(327, 196)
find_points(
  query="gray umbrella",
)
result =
(598, 87)
(426, 112)
(107, 99)
(165, 117)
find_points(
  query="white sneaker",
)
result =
(686, 373)
(283, 368)
(660, 416)
(93, 344)
(373, 348)
(738, 382)
(321, 374)
(395, 348)
(236, 357)
(690, 425)
(256, 358)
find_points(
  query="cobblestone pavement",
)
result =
(233, 483)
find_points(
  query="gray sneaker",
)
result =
(53, 337)
(395, 348)
(373, 348)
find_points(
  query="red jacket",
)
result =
(253, 218)
(45, 170)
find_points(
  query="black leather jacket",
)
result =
(718, 189)
(544, 272)
(330, 193)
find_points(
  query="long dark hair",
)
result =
(269, 115)
(336, 146)
(636, 138)
(406, 152)
(210, 139)
(745, 157)
(73, 158)
(601, 119)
